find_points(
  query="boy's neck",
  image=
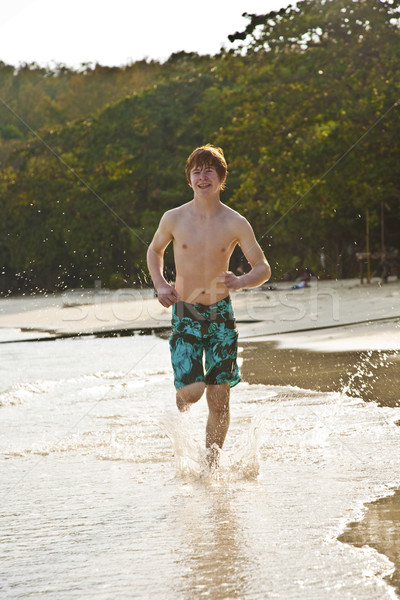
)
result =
(206, 207)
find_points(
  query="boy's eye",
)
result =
(196, 171)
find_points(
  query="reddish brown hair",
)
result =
(208, 155)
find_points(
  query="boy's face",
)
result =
(204, 179)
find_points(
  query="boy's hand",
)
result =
(231, 281)
(167, 295)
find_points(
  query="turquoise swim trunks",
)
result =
(197, 330)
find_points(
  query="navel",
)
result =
(222, 249)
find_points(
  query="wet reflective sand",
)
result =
(372, 375)
(380, 529)
(369, 374)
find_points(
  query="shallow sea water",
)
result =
(105, 492)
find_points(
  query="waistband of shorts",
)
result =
(204, 311)
(205, 307)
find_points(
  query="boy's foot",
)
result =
(213, 456)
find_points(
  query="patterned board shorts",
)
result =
(197, 330)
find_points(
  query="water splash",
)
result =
(189, 456)
(365, 374)
(21, 392)
(193, 460)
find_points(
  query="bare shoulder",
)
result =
(235, 219)
(170, 218)
(174, 214)
(169, 215)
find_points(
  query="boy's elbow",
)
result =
(150, 256)
(267, 272)
(153, 256)
(150, 251)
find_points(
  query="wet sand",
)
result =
(380, 529)
(373, 375)
(370, 374)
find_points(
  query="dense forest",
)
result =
(304, 102)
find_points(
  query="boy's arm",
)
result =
(260, 269)
(166, 293)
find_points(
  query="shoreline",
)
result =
(331, 314)
(373, 375)
(336, 336)
(379, 528)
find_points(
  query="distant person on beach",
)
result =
(304, 282)
(204, 232)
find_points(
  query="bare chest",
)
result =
(203, 238)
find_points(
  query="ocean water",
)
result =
(106, 493)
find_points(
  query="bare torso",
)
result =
(203, 244)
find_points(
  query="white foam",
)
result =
(22, 392)
(191, 457)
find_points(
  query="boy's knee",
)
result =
(189, 394)
(218, 397)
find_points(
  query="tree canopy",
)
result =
(304, 104)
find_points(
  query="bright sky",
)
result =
(115, 32)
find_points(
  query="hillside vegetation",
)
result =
(303, 104)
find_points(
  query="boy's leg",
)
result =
(218, 417)
(187, 363)
(189, 394)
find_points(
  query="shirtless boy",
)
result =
(204, 233)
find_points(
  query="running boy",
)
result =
(204, 233)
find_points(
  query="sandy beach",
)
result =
(333, 336)
(329, 315)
